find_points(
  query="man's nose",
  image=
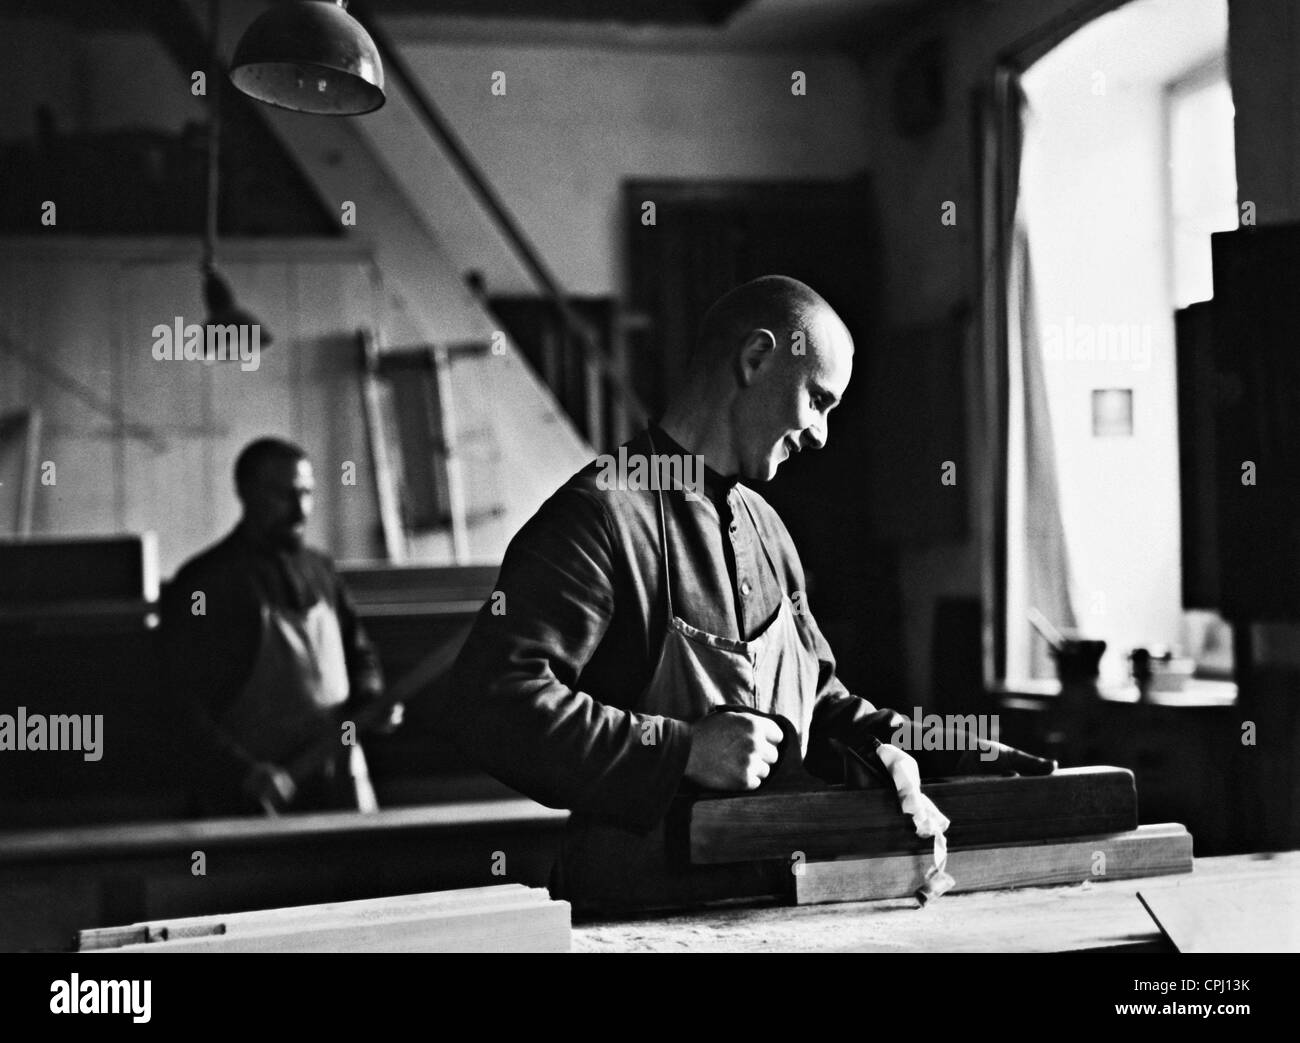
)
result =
(815, 437)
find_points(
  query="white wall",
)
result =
(575, 121)
(1093, 192)
(68, 301)
(310, 295)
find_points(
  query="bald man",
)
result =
(654, 588)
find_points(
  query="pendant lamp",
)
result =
(310, 56)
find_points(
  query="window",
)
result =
(1202, 176)
(1127, 168)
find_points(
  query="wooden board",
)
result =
(1105, 916)
(1158, 850)
(54, 882)
(503, 918)
(314, 828)
(176, 928)
(1255, 915)
(984, 811)
(83, 569)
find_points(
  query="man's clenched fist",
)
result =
(732, 751)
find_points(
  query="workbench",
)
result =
(1091, 916)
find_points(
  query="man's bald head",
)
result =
(775, 303)
(771, 361)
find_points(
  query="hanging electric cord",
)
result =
(218, 298)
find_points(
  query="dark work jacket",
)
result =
(542, 695)
(208, 658)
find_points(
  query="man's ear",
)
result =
(757, 351)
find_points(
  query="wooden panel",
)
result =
(1257, 421)
(983, 810)
(1147, 851)
(109, 301)
(120, 840)
(504, 918)
(269, 400)
(143, 870)
(1104, 916)
(43, 571)
(1196, 447)
(171, 491)
(354, 513)
(1255, 915)
(408, 589)
(78, 336)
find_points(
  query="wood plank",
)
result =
(288, 917)
(375, 586)
(147, 873)
(357, 524)
(505, 918)
(494, 929)
(1254, 915)
(329, 303)
(171, 489)
(1104, 916)
(1156, 850)
(50, 570)
(86, 843)
(984, 811)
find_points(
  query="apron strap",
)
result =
(663, 542)
(663, 555)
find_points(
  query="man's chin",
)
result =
(767, 473)
(290, 540)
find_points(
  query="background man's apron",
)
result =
(299, 679)
(604, 868)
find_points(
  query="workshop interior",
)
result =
(466, 247)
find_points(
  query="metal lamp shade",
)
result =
(310, 56)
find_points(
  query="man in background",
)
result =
(262, 649)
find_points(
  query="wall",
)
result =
(1264, 66)
(78, 300)
(519, 445)
(575, 121)
(310, 296)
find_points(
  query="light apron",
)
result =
(299, 678)
(604, 868)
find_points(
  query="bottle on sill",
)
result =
(1140, 661)
(1078, 664)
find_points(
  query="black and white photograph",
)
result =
(650, 476)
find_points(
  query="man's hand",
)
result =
(732, 751)
(270, 785)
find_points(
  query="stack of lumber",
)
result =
(503, 918)
(1074, 825)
